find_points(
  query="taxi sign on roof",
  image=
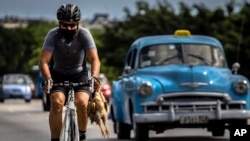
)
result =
(182, 33)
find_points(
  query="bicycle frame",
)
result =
(70, 131)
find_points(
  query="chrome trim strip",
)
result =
(194, 84)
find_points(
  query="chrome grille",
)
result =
(194, 96)
(191, 102)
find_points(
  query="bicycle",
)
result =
(70, 131)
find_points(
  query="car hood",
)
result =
(175, 78)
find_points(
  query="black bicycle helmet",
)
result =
(69, 12)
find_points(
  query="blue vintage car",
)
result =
(179, 80)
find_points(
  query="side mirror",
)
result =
(127, 69)
(235, 67)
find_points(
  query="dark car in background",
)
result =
(16, 85)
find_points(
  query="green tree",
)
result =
(162, 19)
(39, 32)
(20, 47)
(16, 47)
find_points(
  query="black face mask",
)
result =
(68, 34)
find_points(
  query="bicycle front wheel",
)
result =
(64, 136)
(73, 127)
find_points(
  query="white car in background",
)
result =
(16, 86)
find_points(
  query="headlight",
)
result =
(145, 89)
(241, 87)
(27, 89)
(4, 88)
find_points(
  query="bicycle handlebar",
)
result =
(72, 84)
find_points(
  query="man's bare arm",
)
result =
(93, 58)
(44, 64)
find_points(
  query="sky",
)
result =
(47, 8)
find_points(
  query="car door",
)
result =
(128, 83)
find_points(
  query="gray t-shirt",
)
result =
(68, 58)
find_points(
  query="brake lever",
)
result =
(92, 81)
(48, 91)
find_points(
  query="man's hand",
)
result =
(97, 84)
(47, 85)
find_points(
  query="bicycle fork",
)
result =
(70, 130)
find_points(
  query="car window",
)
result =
(129, 59)
(133, 58)
(166, 54)
(159, 55)
(15, 79)
(219, 59)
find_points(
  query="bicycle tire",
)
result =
(72, 126)
(65, 126)
(70, 130)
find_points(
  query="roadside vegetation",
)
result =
(20, 47)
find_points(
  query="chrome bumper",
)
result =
(212, 110)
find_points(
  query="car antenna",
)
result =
(237, 65)
(240, 38)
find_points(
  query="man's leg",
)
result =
(81, 100)
(55, 116)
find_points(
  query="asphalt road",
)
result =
(20, 121)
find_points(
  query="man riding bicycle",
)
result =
(63, 58)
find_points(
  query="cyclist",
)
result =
(68, 46)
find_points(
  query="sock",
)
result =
(55, 139)
(82, 134)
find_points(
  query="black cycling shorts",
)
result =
(75, 78)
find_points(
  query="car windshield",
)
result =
(196, 54)
(14, 79)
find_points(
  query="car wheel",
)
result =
(219, 131)
(46, 102)
(27, 100)
(240, 123)
(123, 130)
(2, 100)
(141, 132)
(217, 128)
